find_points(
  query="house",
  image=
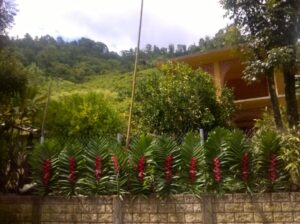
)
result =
(226, 67)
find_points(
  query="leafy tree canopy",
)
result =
(177, 99)
(7, 13)
(80, 115)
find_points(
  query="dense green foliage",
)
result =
(79, 60)
(177, 99)
(227, 162)
(271, 29)
(84, 114)
(19, 104)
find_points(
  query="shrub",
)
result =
(82, 115)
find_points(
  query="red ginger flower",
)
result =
(116, 164)
(98, 165)
(141, 168)
(46, 172)
(272, 168)
(72, 169)
(193, 169)
(217, 169)
(245, 166)
(168, 167)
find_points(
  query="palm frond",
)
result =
(166, 166)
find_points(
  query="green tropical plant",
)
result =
(141, 165)
(166, 156)
(214, 156)
(96, 174)
(290, 154)
(238, 161)
(118, 165)
(192, 163)
(43, 162)
(269, 170)
(71, 167)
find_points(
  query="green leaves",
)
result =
(192, 164)
(166, 165)
(177, 100)
(83, 115)
(269, 165)
(141, 165)
(229, 161)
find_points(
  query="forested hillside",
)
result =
(78, 60)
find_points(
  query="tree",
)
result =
(272, 29)
(177, 99)
(7, 13)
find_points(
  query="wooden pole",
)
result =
(134, 78)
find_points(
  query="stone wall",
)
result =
(230, 208)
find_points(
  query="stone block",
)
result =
(244, 217)
(272, 207)
(100, 208)
(197, 208)
(73, 217)
(227, 198)
(297, 217)
(88, 208)
(108, 208)
(251, 207)
(89, 217)
(287, 206)
(281, 197)
(234, 207)
(176, 217)
(283, 217)
(266, 197)
(158, 218)
(166, 208)
(241, 198)
(127, 217)
(105, 217)
(140, 217)
(218, 207)
(179, 199)
(193, 217)
(184, 208)
(263, 217)
(57, 217)
(191, 199)
(225, 217)
(148, 207)
(46, 217)
(295, 196)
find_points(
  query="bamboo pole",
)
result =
(134, 78)
(45, 113)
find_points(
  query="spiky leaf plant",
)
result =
(291, 156)
(192, 164)
(269, 170)
(238, 161)
(141, 165)
(43, 161)
(167, 164)
(71, 167)
(97, 159)
(214, 149)
(118, 169)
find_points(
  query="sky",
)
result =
(115, 22)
